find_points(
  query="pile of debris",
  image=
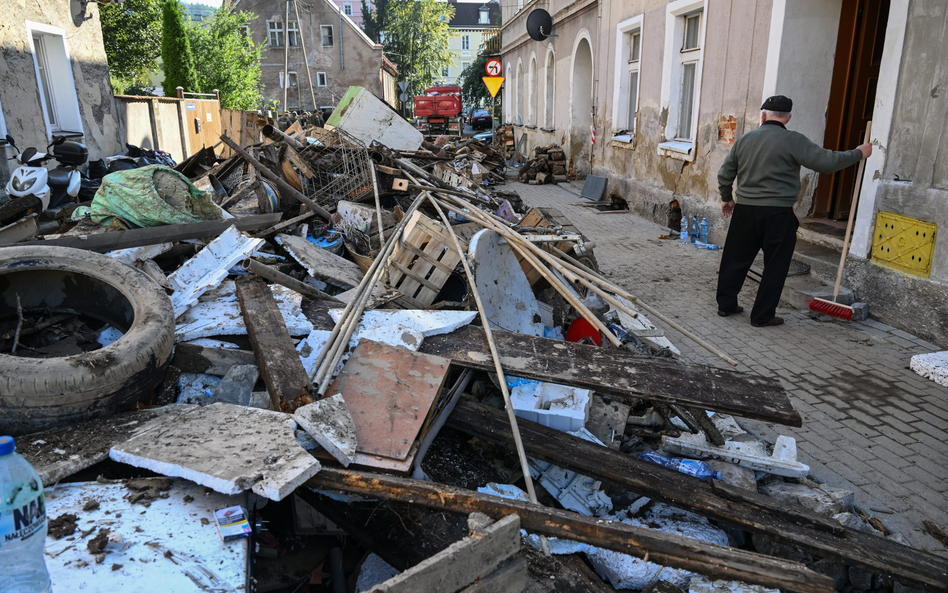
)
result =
(367, 365)
(549, 166)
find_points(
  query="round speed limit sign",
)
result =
(494, 68)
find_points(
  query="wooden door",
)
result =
(852, 95)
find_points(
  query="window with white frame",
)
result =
(681, 76)
(466, 42)
(446, 72)
(534, 97)
(464, 66)
(326, 32)
(3, 125)
(320, 79)
(275, 33)
(484, 17)
(519, 114)
(550, 89)
(293, 79)
(508, 98)
(625, 102)
(293, 34)
(347, 8)
(57, 90)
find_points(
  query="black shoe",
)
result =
(773, 321)
(734, 311)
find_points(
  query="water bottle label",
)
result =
(19, 523)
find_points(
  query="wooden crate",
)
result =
(546, 218)
(423, 262)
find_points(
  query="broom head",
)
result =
(832, 309)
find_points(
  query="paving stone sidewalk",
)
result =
(870, 424)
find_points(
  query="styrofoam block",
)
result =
(933, 365)
(312, 345)
(747, 454)
(642, 323)
(702, 584)
(428, 323)
(574, 491)
(556, 406)
(134, 254)
(218, 314)
(209, 267)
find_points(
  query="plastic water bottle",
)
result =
(693, 231)
(22, 525)
(691, 467)
(703, 231)
(684, 229)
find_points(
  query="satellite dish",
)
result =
(539, 24)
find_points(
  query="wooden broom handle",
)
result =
(852, 214)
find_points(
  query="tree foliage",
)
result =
(226, 58)
(176, 57)
(131, 33)
(416, 37)
(473, 90)
(374, 21)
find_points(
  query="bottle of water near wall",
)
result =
(22, 525)
(684, 229)
(691, 467)
(693, 231)
(703, 231)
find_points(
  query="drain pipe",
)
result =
(342, 56)
(595, 110)
(274, 133)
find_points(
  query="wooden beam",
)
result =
(286, 379)
(609, 370)
(666, 549)
(743, 508)
(171, 233)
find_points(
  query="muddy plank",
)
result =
(110, 241)
(666, 549)
(607, 370)
(276, 356)
(748, 510)
(211, 361)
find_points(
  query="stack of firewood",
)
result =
(549, 166)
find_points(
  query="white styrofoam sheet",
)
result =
(165, 547)
(933, 365)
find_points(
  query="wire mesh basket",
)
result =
(341, 167)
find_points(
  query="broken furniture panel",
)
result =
(225, 447)
(620, 372)
(331, 425)
(389, 393)
(321, 264)
(365, 117)
(422, 262)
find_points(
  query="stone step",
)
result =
(823, 261)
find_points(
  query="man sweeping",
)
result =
(766, 164)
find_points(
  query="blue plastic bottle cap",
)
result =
(6, 445)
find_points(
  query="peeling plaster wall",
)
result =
(19, 90)
(361, 58)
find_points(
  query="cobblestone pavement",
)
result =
(870, 424)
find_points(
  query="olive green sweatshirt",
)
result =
(766, 163)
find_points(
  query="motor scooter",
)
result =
(53, 188)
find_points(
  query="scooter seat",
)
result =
(58, 177)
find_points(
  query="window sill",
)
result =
(624, 138)
(531, 127)
(548, 130)
(677, 149)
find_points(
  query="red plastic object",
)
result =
(580, 328)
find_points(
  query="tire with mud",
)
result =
(41, 393)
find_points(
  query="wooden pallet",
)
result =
(546, 218)
(423, 262)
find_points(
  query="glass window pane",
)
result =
(636, 47)
(44, 82)
(687, 100)
(692, 25)
(633, 99)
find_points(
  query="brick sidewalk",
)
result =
(870, 424)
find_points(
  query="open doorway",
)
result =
(859, 46)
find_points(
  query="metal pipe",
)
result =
(273, 133)
(342, 56)
(277, 277)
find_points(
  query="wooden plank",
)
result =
(424, 262)
(110, 241)
(301, 164)
(279, 362)
(321, 264)
(666, 549)
(512, 576)
(745, 509)
(211, 361)
(461, 563)
(608, 370)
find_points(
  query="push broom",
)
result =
(832, 308)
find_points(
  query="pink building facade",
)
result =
(353, 9)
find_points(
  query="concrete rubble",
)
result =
(387, 256)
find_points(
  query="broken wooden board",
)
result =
(286, 379)
(546, 218)
(389, 392)
(111, 241)
(423, 262)
(463, 562)
(225, 447)
(191, 358)
(619, 372)
(663, 548)
(749, 510)
(321, 264)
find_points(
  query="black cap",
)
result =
(778, 103)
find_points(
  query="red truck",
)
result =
(438, 111)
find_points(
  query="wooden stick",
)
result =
(275, 276)
(498, 368)
(852, 215)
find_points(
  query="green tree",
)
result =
(226, 58)
(473, 90)
(374, 21)
(417, 37)
(176, 57)
(131, 33)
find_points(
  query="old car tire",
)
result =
(37, 393)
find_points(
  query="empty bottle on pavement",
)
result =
(703, 231)
(684, 229)
(22, 524)
(693, 231)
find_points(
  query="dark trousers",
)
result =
(773, 228)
